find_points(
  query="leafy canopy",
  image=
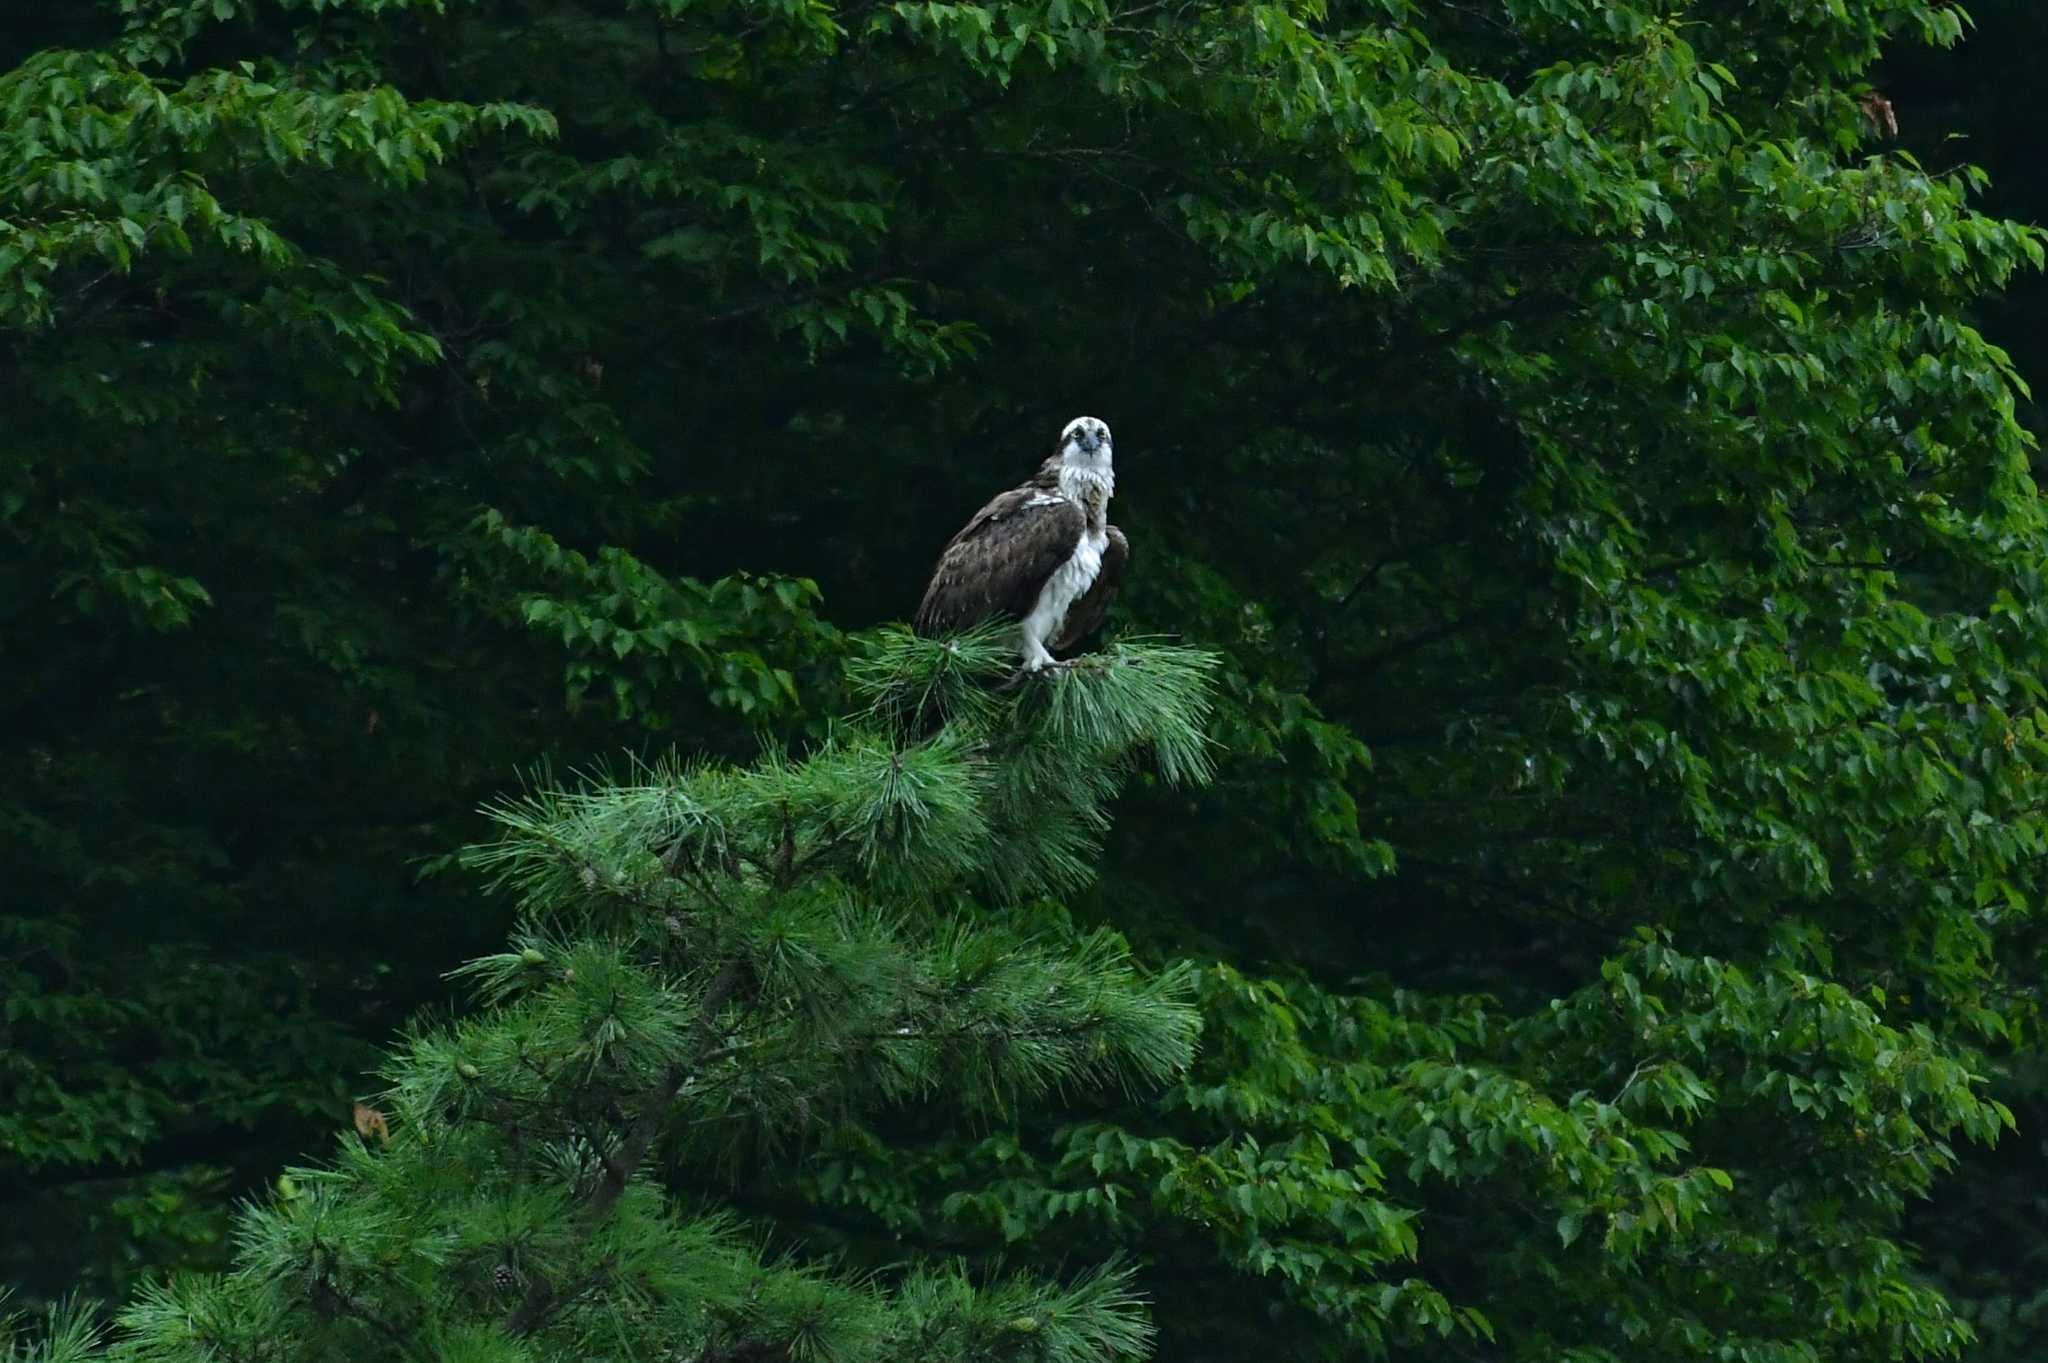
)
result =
(1565, 417)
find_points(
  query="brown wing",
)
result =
(999, 560)
(1085, 616)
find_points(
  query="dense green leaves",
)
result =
(1565, 429)
(686, 975)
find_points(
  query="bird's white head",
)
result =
(1082, 465)
(1085, 443)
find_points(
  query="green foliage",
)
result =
(244, 549)
(66, 1333)
(689, 974)
(1574, 426)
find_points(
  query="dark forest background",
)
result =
(1593, 432)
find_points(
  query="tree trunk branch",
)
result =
(542, 1301)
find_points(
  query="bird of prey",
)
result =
(1043, 552)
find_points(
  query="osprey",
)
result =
(1044, 552)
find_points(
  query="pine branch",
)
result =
(546, 1303)
(711, 945)
(542, 1301)
(623, 1163)
(744, 1351)
(331, 1300)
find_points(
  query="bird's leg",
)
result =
(1033, 648)
(1034, 659)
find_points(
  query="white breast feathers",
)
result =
(1069, 583)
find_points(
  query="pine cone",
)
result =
(502, 1277)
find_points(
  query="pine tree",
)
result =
(708, 963)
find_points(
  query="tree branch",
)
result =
(330, 1300)
(542, 1301)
